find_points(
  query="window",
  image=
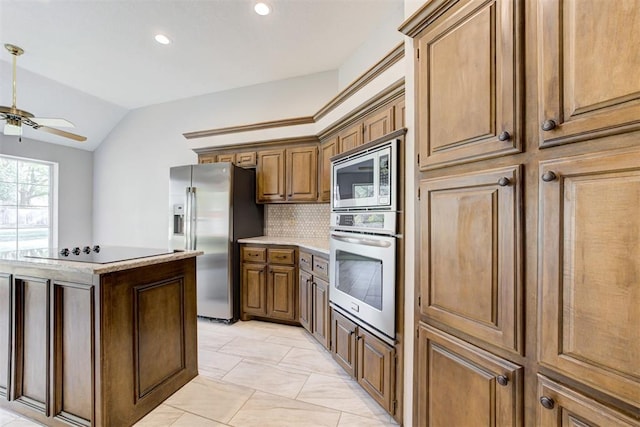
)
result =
(26, 204)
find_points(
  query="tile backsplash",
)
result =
(297, 220)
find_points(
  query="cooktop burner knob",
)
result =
(64, 252)
(76, 251)
(86, 249)
(96, 248)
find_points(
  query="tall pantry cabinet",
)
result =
(528, 219)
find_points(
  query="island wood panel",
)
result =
(467, 82)
(31, 386)
(129, 388)
(470, 237)
(5, 334)
(587, 69)
(73, 336)
(590, 269)
(158, 308)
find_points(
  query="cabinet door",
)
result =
(246, 160)
(470, 251)
(399, 115)
(350, 138)
(302, 174)
(270, 176)
(5, 333)
(327, 150)
(227, 158)
(588, 69)
(343, 342)
(305, 298)
(590, 259)
(559, 406)
(378, 124)
(467, 83)
(282, 292)
(320, 311)
(376, 368)
(207, 158)
(461, 385)
(254, 288)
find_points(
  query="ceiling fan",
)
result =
(15, 118)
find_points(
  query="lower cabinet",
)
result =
(563, 407)
(268, 283)
(462, 385)
(314, 296)
(365, 357)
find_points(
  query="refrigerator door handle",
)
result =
(192, 219)
(187, 220)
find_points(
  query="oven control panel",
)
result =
(372, 222)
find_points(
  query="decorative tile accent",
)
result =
(297, 220)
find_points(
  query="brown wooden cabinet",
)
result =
(328, 149)
(560, 406)
(314, 296)
(378, 124)
(5, 333)
(399, 114)
(227, 157)
(365, 357)
(587, 69)
(590, 259)
(470, 241)
(268, 283)
(463, 385)
(468, 84)
(246, 159)
(207, 158)
(350, 138)
(288, 175)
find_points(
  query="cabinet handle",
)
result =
(549, 176)
(504, 136)
(549, 125)
(351, 333)
(547, 402)
(504, 181)
(502, 380)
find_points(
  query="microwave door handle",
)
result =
(361, 241)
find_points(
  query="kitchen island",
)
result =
(95, 344)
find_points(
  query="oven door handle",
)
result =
(360, 241)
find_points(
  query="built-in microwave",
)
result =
(366, 179)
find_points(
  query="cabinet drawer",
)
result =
(227, 158)
(254, 254)
(246, 159)
(320, 267)
(282, 256)
(306, 261)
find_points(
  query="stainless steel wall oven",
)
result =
(363, 238)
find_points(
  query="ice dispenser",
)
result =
(178, 219)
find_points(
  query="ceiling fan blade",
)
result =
(62, 133)
(48, 121)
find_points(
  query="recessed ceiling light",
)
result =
(162, 39)
(262, 8)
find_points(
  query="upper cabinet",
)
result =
(350, 138)
(378, 124)
(468, 83)
(328, 149)
(288, 175)
(587, 69)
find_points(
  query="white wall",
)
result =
(378, 44)
(75, 185)
(131, 173)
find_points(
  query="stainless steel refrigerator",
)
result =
(211, 207)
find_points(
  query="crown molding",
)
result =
(253, 126)
(271, 143)
(424, 16)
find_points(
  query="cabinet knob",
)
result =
(502, 380)
(504, 181)
(504, 136)
(547, 402)
(549, 176)
(548, 125)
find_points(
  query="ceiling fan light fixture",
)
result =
(12, 127)
(262, 8)
(162, 39)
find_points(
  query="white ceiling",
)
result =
(105, 48)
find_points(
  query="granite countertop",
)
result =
(315, 244)
(16, 258)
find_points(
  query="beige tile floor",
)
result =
(260, 374)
